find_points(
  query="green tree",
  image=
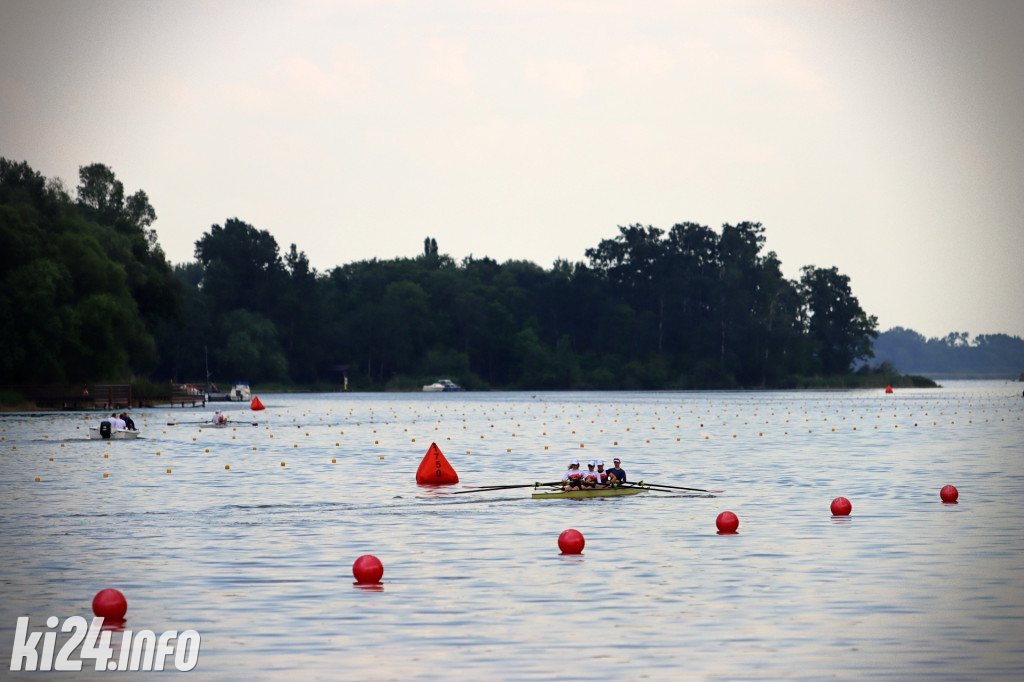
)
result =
(839, 331)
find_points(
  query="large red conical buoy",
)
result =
(435, 469)
(888, 389)
(256, 404)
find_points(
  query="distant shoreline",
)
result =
(846, 382)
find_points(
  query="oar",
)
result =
(504, 487)
(677, 487)
(227, 423)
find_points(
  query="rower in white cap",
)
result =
(573, 478)
(602, 475)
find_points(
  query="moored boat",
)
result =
(115, 434)
(240, 392)
(589, 492)
(442, 385)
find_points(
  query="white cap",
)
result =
(575, 461)
(600, 462)
(591, 463)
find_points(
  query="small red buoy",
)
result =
(256, 405)
(571, 541)
(110, 604)
(949, 494)
(367, 570)
(727, 523)
(841, 507)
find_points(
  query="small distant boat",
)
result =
(240, 392)
(442, 385)
(590, 492)
(97, 433)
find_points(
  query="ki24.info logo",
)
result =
(143, 650)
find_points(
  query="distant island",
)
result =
(954, 356)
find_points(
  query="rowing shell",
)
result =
(589, 492)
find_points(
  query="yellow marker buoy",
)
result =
(105, 474)
(334, 461)
(282, 463)
(227, 466)
(168, 471)
(37, 479)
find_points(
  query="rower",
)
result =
(219, 418)
(591, 478)
(616, 475)
(602, 475)
(573, 478)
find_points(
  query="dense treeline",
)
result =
(954, 354)
(92, 297)
(83, 284)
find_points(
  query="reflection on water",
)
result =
(257, 558)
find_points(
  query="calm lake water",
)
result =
(258, 558)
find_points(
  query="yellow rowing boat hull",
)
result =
(589, 492)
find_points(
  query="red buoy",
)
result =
(949, 494)
(571, 541)
(841, 507)
(110, 604)
(367, 570)
(888, 389)
(435, 469)
(256, 405)
(727, 523)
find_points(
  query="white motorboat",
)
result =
(445, 385)
(240, 392)
(96, 433)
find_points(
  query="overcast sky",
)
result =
(884, 138)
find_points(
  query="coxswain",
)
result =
(573, 478)
(616, 475)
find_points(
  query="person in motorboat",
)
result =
(602, 475)
(128, 423)
(591, 477)
(219, 418)
(116, 422)
(616, 475)
(573, 478)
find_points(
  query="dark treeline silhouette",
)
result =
(92, 297)
(956, 354)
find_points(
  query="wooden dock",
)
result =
(104, 396)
